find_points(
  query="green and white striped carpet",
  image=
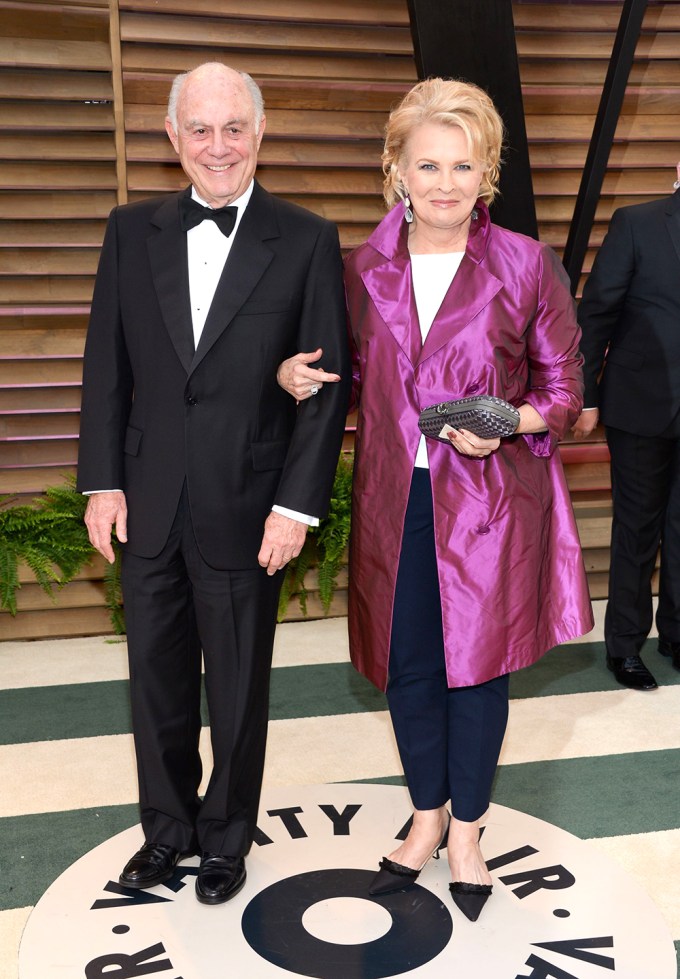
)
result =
(581, 752)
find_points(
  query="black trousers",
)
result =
(449, 740)
(646, 513)
(176, 608)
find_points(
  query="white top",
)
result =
(207, 251)
(432, 275)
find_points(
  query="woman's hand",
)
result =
(300, 380)
(472, 445)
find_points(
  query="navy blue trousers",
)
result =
(449, 739)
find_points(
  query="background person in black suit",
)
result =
(630, 318)
(187, 443)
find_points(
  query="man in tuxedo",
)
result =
(630, 318)
(209, 471)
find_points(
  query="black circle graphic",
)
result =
(272, 926)
(121, 929)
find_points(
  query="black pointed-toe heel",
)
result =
(395, 876)
(470, 898)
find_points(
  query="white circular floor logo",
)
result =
(559, 909)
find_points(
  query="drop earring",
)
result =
(408, 213)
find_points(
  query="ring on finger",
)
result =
(314, 389)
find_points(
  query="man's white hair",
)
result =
(178, 85)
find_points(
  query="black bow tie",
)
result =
(191, 213)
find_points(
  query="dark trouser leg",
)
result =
(668, 612)
(642, 468)
(478, 717)
(236, 615)
(176, 605)
(449, 740)
(165, 676)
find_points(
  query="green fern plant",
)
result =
(325, 545)
(48, 535)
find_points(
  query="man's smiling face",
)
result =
(217, 136)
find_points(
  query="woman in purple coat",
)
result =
(465, 561)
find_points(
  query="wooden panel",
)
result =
(58, 146)
(303, 93)
(29, 52)
(35, 399)
(59, 233)
(591, 17)
(384, 12)
(58, 116)
(38, 205)
(230, 33)
(34, 480)
(281, 122)
(21, 19)
(41, 342)
(53, 622)
(171, 59)
(63, 85)
(149, 148)
(29, 290)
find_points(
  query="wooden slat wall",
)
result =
(563, 52)
(81, 128)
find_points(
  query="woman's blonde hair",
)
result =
(445, 103)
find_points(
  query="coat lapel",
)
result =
(169, 270)
(245, 266)
(673, 220)
(471, 291)
(389, 282)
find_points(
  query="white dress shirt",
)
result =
(432, 275)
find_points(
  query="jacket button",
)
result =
(482, 529)
(191, 401)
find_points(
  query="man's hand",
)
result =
(585, 423)
(103, 511)
(283, 539)
(301, 381)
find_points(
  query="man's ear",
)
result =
(172, 135)
(260, 131)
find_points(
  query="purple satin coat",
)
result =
(511, 573)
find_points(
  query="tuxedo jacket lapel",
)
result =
(169, 269)
(247, 262)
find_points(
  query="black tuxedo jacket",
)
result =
(631, 301)
(156, 413)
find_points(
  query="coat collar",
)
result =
(389, 284)
(247, 261)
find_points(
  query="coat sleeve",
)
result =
(107, 379)
(555, 362)
(604, 297)
(312, 457)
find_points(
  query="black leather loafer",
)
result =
(219, 878)
(631, 672)
(671, 649)
(153, 864)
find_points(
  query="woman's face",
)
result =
(442, 181)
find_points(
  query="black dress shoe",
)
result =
(395, 876)
(219, 878)
(671, 649)
(631, 672)
(470, 898)
(153, 864)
